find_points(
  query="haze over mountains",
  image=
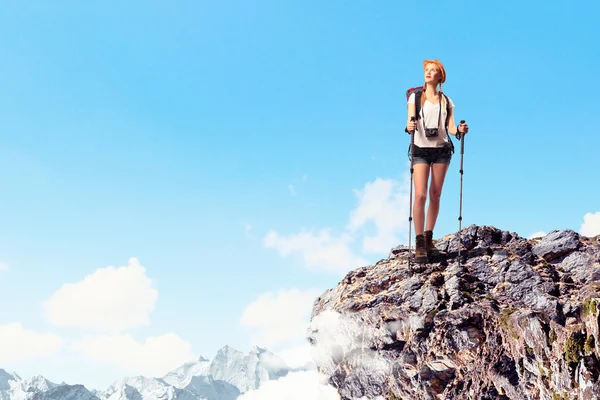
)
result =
(228, 375)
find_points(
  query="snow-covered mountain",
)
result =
(228, 375)
(13, 387)
(37, 383)
(139, 387)
(249, 371)
(64, 392)
(6, 379)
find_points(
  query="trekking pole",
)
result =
(462, 152)
(412, 145)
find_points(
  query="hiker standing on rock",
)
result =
(431, 152)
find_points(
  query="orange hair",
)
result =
(440, 66)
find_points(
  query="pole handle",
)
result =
(412, 119)
(459, 135)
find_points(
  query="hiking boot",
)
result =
(421, 250)
(432, 251)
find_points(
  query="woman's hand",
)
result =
(463, 128)
(411, 125)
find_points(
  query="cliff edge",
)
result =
(516, 318)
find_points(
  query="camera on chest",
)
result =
(431, 132)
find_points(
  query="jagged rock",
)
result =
(514, 319)
(556, 244)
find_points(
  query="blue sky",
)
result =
(214, 141)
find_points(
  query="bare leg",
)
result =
(421, 176)
(438, 174)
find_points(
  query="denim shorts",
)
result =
(432, 155)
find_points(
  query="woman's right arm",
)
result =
(412, 112)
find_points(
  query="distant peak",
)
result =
(5, 377)
(257, 350)
(38, 378)
(9, 375)
(228, 349)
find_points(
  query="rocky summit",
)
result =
(512, 318)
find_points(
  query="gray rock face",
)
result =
(515, 319)
(556, 244)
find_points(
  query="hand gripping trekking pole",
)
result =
(462, 152)
(412, 146)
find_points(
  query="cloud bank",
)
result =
(18, 344)
(154, 357)
(279, 318)
(304, 385)
(111, 300)
(591, 225)
(382, 204)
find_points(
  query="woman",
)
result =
(431, 153)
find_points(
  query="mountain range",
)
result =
(228, 375)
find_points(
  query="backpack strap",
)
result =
(418, 94)
(447, 109)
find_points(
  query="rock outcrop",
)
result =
(512, 319)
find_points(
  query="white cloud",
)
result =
(3, 266)
(298, 357)
(154, 357)
(537, 235)
(279, 318)
(110, 299)
(319, 250)
(304, 385)
(335, 335)
(334, 332)
(18, 344)
(383, 203)
(591, 225)
(292, 190)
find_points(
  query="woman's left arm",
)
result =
(452, 128)
(451, 124)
